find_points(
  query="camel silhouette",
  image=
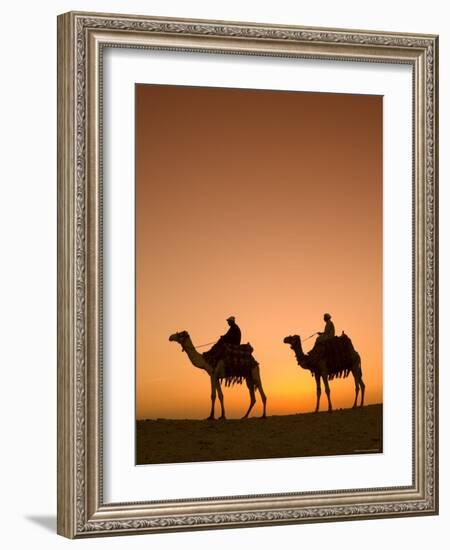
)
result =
(252, 376)
(319, 365)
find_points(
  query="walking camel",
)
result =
(252, 377)
(316, 361)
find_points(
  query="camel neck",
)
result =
(299, 353)
(195, 357)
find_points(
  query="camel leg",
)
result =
(258, 384)
(355, 375)
(359, 381)
(220, 394)
(251, 390)
(213, 396)
(318, 392)
(363, 389)
(255, 381)
(327, 391)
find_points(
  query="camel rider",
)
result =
(328, 331)
(233, 336)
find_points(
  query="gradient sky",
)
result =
(266, 205)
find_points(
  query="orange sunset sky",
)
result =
(266, 205)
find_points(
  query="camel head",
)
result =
(295, 344)
(292, 340)
(179, 337)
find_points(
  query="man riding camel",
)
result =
(328, 331)
(232, 336)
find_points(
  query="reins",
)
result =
(196, 347)
(213, 342)
(207, 344)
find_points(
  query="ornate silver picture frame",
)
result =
(82, 41)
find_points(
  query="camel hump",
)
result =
(339, 354)
(341, 343)
(239, 353)
(345, 341)
(239, 348)
(238, 363)
(235, 355)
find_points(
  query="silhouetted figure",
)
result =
(247, 369)
(232, 336)
(323, 366)
(328, 331)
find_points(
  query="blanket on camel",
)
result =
(238, 361)
(339, 353)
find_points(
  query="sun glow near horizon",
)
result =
(282, 223)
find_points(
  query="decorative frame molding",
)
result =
(81, 37)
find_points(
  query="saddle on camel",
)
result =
(338, 352)
(237, 357)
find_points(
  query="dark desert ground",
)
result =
(345, 431)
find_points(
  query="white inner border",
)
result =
(125, 482)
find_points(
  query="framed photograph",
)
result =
(247, 276)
